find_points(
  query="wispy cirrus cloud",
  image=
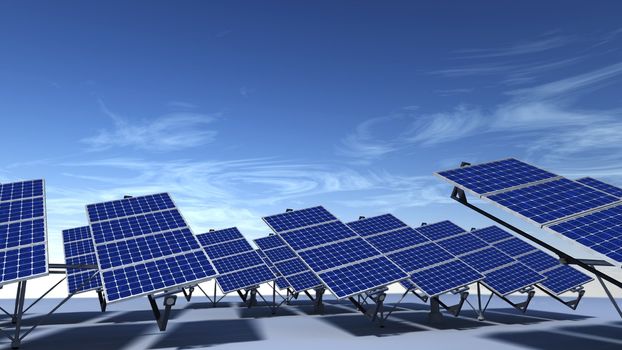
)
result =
(164, 133)
(545, 43)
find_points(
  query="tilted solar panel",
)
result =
(23, 231)
(428, 264)
(603, 186)
(281, 282)
(560, 278)
(295, 272)
(345, 263)
(79, 250)
(240, 266)
(144, 246)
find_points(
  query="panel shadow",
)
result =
(209, 333)
(542, 340)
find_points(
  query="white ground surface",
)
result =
(196, 325)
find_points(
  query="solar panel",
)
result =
(559, 278)
(502, 273)
(600, 231)
(281, 282)
(430, 266)
(79, 250)
(603, 186)
(143, 246)
(554, 200)
(240, 266)
(295, 272)
(23, 232)
(343, 260)
(495, 176)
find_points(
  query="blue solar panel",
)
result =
(495, 176)
(23, 231)
(142, 252)
(512, 278)
(303, 281)
(240, 266)
(342, 252)
(219, 236)
(461, 244)
(281, 282)
(377, 224)
(539, 260)
(487, 259)
(420, 257)
(79, 280)
(129, 207)
(395, 240)
(514, 247)
(81, 247)
(603, 186)
(291, 267)
(552, 200)
(492, 234)
(563, 279)
(269, 242)
(299, 218)
(440, 230)
(600, 231)
(316, 235)
(280, 254)
(443, 278)
(363, 276)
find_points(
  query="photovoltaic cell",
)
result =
(440, 230)
(345, 263)
(377, 224)
(240, 266)
(79, 250)
(603, 186)
(494, 176)
(552, 200)
(144, 246)
(396, 240)
(23, 233)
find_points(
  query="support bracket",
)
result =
(162, 318)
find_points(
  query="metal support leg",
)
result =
(102, 300)
(319, 302)
(610, 296)
(188, 294)
(215, 300)
(17, 317)
(162, 319)
(435, 314)
(252, 300)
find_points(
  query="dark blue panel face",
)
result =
(19, 190)
(440, 230)
(228, 248)
(495, 176)
(512, 278)
(129, 206)
(487, 259)
(82, 280)
(142, 278)
(79, 250)
(143, 224)
(445, 277)
(81, 247)
(419, 257)
(337, 254)
(492, 234)
(539, 261)
(462, 244)
(23, 209)
(316, 235)
(298, 218)
(600, 231)
(514, 247)
(398, 239)
(354, 279)
(552, 200)
(21, 263)
(281, 283)
(269, 242)
(279, 254)
(245, 278)
(376, 224)
(291, 267)
(603, 186)
(219, 236)
(564, 278)
(22, 233)
(303, 281)
(76, 234)
(237, 262)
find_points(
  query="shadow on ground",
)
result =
(60, 318)
(545, 340)
(136, 316)
(208, 333)
(360, 326)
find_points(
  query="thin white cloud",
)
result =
(521, 48)
(164, 133)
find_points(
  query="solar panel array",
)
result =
(240, 266)
(143, 246)
(559, 278)
(281, 282)
(432, 269)
(297, 275)
(345, 263)
(603, 186)
(586, 211)
(23, 232)
(502, 273)
(79, 250)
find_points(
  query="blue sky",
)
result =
(243, 109)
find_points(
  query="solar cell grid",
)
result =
(251, 277)
(291, 267)
(494, 176)
(377, 224)
(139, 225)
(316, 235)
(603, 186)
(219, 236)
(129, 206)
(23, 262)
(81, 247)
(22, 189)
(76, 234)
(492, 234)
(337, 254)
(237, 262)
(419, 257)
(462, 243)
(563, 279)
(22, 233)
(552, 200)
(280, 254)
(514, 247)
(487, 259)
(445, 277)
(512, 278)
(398, 239)
(440, 230)
(269, 242)
(228, 248)
(303, 281)
(298, 218)
(22, 209)
(539, 260)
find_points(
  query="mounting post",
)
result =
(188, 294)
(318, 302)
(102, 300)
(17, 317)
(162, 318)
(435, 314)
